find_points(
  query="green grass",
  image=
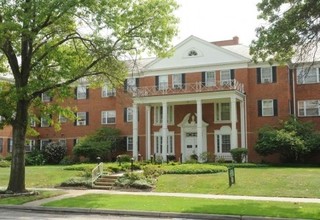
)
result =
(192, 205)
(40, 176)
(268, 181)
(19, 200)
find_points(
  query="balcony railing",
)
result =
(197, 87)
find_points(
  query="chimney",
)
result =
(233, 41)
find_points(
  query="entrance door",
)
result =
(191, 145)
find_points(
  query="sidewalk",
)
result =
(36, 205)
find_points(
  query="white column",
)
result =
(243, 130)
(199, 128)
(148, 132)
(135, 132)
(164, 130)
(234, 138)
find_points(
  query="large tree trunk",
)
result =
(17, 174)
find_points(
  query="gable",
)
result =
(194, 52)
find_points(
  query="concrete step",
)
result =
(101, 187)
(105, 182)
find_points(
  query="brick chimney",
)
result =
(233, 41)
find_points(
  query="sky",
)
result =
(214, 20)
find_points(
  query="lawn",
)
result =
(267, 181)
(192, 205)
(40, 176)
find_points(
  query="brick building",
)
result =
(207, 97)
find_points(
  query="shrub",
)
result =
(152, 171)
(207, 157)
(238, 154)
(67, 160)
(54, 152)
(4, 163)
(171, 157)
(77, 182)
(35, 158)
(8, 157)
(80, 167)
(193, 169)
(135, 180)
(123, 158)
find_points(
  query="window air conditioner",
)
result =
(266, 80)
(81, 123)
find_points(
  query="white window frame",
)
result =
(131, 84)
(108, 117)
(45, 97)
(210, 78)
(158, 114)
(265, 107)
(305, 105)
(82, 92)
(30, 144)
(218, 136)
(129, 143)
(225, 77)
(108, 91)
(129, 113)
(218, 116)
(163, 82)
(158, 143)
(81, 119)
(44, 122)
(62, 119)
(304, 77)
(32, 122)
(266, 75)
(10, 144)
(63, 142)
(42, 143)
(177, 81)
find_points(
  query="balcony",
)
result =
(187, 88)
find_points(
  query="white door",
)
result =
(191, 145)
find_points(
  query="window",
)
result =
(129, 143)
(44, 143)
(44, 122)
(30, 144)
(308, 75)
(1, 145)
(45, 97)
(267, 75)
(128, 114)
(82, 92)
(108, 91)
(1, 119)
(32, 122)
(158, 114)
(225, 77)
(223, 143)
(222, 112)
(9, 143)
(210, 78)
(63, 142)
(309, 108)
(163, 82)
(268, 107)
(108, 117)
(192, 53)
(177, 82)
(158, 143)
(131, 84)
(62, 119)
(82, 118)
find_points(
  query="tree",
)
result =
(99, 144)
(294, 140)
(48, 45)
(292, 30)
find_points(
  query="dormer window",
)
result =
(192, 53)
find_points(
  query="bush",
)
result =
(207, 157)
(67, 160)
(4, 163)
(35, 158)
(54, 152)
(8, 157)
(77, 182)
(80, 167)
(123, 158)
(171, 157)
(193, 169)
(238, 154)
(135, 180)
(152, 171)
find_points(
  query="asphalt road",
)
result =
(29, 215)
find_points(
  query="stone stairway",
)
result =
(105, 182)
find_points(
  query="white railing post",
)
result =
(96, 173)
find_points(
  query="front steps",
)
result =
(105, 182)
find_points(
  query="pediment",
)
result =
(194, 52)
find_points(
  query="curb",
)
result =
(71, 211)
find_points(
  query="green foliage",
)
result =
(289, 27)
(123, 158)
(8, 157)
(152, 171)
(294, 140)
(77, 182)
(207, 157)
(66, 160)
(54, 153)
(99, 144)
(134, 180)
(80, 167)
(35, 157)
(238, 154)
(193, 169)
(4, 163)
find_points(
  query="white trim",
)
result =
(263, 107)
(105, 117)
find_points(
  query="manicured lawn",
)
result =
(192, 205)
(19, 200)
(40, 176)
(267, 181)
